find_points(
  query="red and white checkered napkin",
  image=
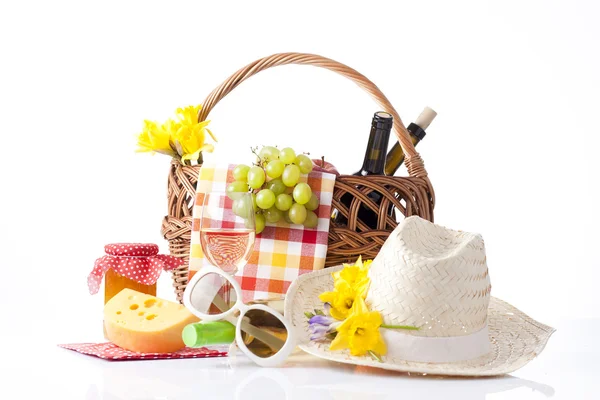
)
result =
(282, 251)
(112, 352)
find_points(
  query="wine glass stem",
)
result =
(228, 289)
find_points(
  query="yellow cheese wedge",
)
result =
(145, 324)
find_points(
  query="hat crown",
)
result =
(435, 278)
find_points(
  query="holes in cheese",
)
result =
(142, 330)
(149, 303)
(118, 312)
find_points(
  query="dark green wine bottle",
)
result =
(373, 164)
(374, 161)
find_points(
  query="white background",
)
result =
(513, 154)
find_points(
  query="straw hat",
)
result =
(436, 279)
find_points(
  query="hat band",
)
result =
(436, 349)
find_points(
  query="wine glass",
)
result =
(227, 231)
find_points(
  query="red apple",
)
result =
(323, 166)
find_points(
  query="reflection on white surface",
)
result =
(567, 369)
(278, 386)
(304, 377)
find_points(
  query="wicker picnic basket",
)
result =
(412, 195)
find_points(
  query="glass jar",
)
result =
(115, 282)
(134, 266)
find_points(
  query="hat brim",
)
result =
(515, 338)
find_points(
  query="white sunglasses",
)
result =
(272, 338)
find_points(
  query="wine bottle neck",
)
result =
(395, 157)
(374, 161)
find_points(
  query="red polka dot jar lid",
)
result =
(139, 262)
(131, 249)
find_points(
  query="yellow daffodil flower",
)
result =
(190, 136)
(343, 297)
(183, 137)
(155, 138)
(189, 140)
(350, 282)
(360, 331)
(353, 274)
(189, 116)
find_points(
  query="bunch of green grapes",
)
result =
(276, 192)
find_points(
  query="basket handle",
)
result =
(413, 161)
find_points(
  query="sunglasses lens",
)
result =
(213, 294)
(268, 334)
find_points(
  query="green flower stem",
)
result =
(375, 356)
(407, 327)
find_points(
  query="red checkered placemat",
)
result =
(112, 352)
(282, 251)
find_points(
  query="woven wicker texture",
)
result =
(177, 225)
(411, 195)
(432, 278)
(407, 195)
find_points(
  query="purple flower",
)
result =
(322, 325)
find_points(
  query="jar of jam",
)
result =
(115, 282)
(135, 266)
